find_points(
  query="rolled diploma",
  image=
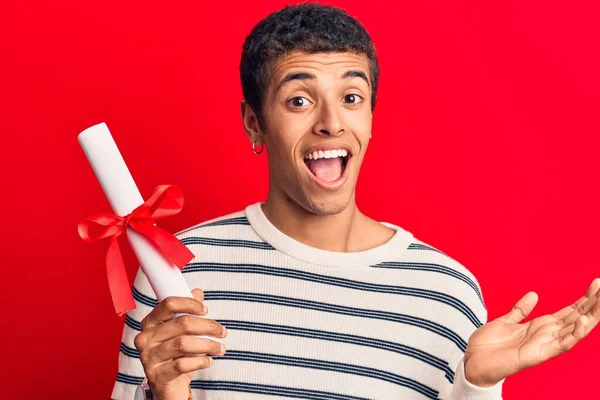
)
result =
(123, 195)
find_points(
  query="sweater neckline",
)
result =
(296, 249)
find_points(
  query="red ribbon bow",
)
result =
(166, 200)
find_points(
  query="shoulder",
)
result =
(428, 252)
(460, 273)
(237, 218)
(440, 271)
(415, 250)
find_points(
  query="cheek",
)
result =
(282, 146)
(285, 137)
(361, 125)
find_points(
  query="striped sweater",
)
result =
(391, 322)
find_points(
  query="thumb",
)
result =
(198, 294)
(522, 309)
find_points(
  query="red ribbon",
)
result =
(166, 200)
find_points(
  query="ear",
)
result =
(251, 125)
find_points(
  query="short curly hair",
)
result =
(309, 27)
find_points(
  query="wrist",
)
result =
(477, 379)
(152, 394)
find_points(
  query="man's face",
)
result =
(317, 114)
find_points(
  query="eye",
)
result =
(298, 102)
(353, 98)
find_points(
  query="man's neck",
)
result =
(347, 231)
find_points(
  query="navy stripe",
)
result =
(227, 243)
(333, 308)
(270, 390)
(129, 351)
(325, 307)
(132, 380)
(421, 246)
(142, 298)
(228, 221)
(324, 279)
(287, 301)
(342, 338)
(330, 366)
(442, 269)
(132, 323)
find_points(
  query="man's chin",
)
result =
(328, 205)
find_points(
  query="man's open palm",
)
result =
(504, 346)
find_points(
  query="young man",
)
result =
(318, 300)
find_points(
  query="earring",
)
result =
(262, 147)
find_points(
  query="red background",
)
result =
(484, 145)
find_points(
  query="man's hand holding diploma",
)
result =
(168, 349)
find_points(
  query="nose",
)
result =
(330, 122)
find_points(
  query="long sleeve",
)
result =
(462, 389)
(465, 390)
(130, 369)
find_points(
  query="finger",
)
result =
(579, 309)
(186, 325)
(594, 315)
(522, 309)
(198, 295)
(564, 312)
(594, 287)
(173, 369)
(167, 309)
(570, 339)
(185, 346)
(592, 320)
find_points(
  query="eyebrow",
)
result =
(308, 76)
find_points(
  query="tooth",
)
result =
(339, 152)
(315, 155)
(321, 154)
(310, 157)
(344, 153)
(327, 153)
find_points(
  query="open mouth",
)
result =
(328, 166)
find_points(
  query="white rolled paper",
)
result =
(123, 195)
